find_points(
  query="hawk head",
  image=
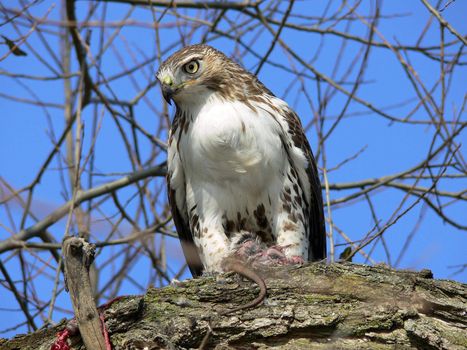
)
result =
(195, 72)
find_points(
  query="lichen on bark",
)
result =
(317, 306)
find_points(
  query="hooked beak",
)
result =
(167, 93)
(167, 86)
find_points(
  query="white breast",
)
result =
(233, 159)
(228, 142)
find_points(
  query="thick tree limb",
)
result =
(318, 306)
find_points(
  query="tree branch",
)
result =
(17, 240)
(343, 306)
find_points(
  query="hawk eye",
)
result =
(191, 67)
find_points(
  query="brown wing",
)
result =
(184, 233)
(317, 234)
(317, 230)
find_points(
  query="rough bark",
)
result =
(339, 306)
(79, 256)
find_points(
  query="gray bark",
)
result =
(79, 256)
(338, 306)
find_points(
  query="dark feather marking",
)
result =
(179, 117)
(289, 226)
(314, 205)
(260, 215)
(286, 207)
(315, 213)
(241, 222)
(266, 236)
(229, 227)
(186, 237)
(195, 224)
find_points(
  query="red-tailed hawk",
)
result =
(241, 175)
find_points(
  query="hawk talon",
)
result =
(296, 260)
(275, 256)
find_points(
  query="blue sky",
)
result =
(387, 148)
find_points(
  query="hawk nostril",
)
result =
(167, 81)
